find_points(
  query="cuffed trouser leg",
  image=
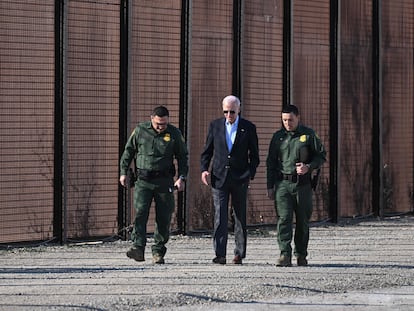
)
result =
(164, 207)
(142, 202)
(284, 207)
(303, 212)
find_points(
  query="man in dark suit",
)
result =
(232, 143)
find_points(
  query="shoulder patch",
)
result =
(302, 138)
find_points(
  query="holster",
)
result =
(315, 179)
(304, 179)
(132, 177)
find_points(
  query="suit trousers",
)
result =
(237, 191)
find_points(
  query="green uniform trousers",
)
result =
(162, 194)
(291, 198)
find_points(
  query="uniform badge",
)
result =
(302, 138)
(167, 137)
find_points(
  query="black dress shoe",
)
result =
(237, 260)
(220, 260)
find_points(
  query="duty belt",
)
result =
(149, 174)
(290, 177)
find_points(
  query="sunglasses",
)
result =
(227, 111)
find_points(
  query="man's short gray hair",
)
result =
(232, 99)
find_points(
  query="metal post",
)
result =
(334, 111)
(123, 195)
(377, 165)
(184, 102)
(58, 126)
(237, 49)
(287, 51)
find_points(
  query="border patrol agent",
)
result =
(154, 145)
(294, 152)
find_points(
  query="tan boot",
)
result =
(284, 261)
(158, 259)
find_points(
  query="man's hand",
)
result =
(204, 177)
(302, 168)
(179, 184)
(271, 194)
(124, 181)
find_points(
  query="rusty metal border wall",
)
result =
(77, 75)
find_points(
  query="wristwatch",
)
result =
(182, 177)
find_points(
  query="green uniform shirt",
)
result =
(155, 151)
(288, 148)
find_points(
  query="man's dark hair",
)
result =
(160, 111)
(291, 109)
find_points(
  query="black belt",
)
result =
(290, 177)
(148, 174)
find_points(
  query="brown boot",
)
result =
(284, 261)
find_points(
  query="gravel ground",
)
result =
(365, 265)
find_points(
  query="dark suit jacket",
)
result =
(243, 159)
